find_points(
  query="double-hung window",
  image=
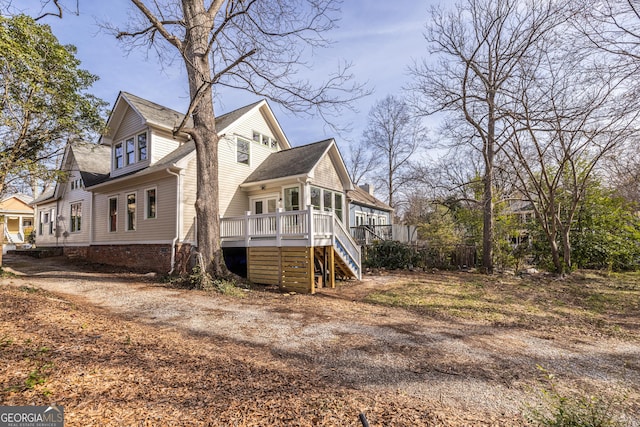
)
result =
(76, 217)
(118, 156)
(142, 147)
(242, 148)
(150, 202)
(131, 151)
(52, 216)
(131, 212)
(113, 214)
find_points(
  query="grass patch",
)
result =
(584, 301)
(5, 273)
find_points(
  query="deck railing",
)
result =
(284, 228)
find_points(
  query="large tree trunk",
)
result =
(487, 199)
(205, 138)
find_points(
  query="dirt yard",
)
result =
(123, 349)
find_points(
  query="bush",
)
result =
(391, 255)
(571, 410)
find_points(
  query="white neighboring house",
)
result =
(129, 200)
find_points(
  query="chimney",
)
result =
(368, 188)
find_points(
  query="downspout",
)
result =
(175, 239)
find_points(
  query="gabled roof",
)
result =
(362, 197)
(158, 112)
(152, 113)
(24, 198)
(93, 160)
(48, 194)
(292, 162)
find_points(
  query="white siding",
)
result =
(161, 144)
(44, 239)
(131, 123)
(79, 196)
(326, 175)
(131, 126)
(188, 233)
(160, 229)
(234, 201)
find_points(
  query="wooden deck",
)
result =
(283, 248)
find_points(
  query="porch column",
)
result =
(20, 228)
(311, 225)
(246, 229)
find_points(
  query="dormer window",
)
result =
(142, 147)
(130, 151)
(118, 156)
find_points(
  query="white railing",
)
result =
(277, 225)
(282, 226)
(344, 239)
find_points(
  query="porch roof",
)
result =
(293, 162)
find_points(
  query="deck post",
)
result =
(311, 271)
(332, 267)
(311, 225)
(279, 226)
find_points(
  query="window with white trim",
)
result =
(131, 212)
(150, 203)
(76, 217)
(77, 184)
(292, 199)
(131, 151)
(118, 156)
(242, 150)
(328, 201)
(113, 214)
(142, 147)
(52, 217)
(265, 140)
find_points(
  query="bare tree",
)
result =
(361, 162)
(393, 135)
(475, 53)
(252, 45)
(573, 111)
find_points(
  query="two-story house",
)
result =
(129, 200)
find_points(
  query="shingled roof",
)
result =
(94, 162)
(362, 197)
(166, 117)
(292, 162)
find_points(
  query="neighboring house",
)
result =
(522, 211)
(369, 217)
(17, 217)
(130, 200)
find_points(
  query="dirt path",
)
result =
(474, 367)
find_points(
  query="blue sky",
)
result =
(378, 37)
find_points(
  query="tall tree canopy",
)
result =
(478, 46)
(43, 99)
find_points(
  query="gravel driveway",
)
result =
(463, 364)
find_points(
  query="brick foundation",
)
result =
(143, 258)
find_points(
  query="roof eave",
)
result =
(304, 177)
(144, 172)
